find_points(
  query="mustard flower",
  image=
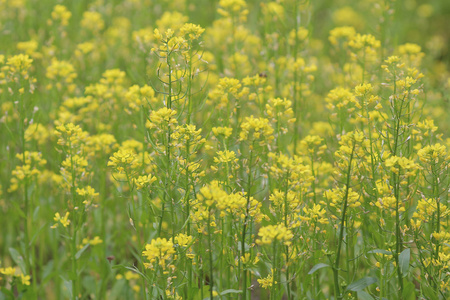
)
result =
(225, 157)
(340, 97)
(162, 118)
(398, 164)
(280, 109)
(269, 234)
(313, 215)
(61, 15)
(433, 154)
(9, 271)
(124, 161)
(143, 181)
(231, 8)
(290, 170)
(101, 144)
(341, 34)
(70, 135)
(426, 208)
(412, 52)
(253, 129)
(348, 16)
(29, 170)
(279, 198)
(171, 20)
(302, 35)
(92, 21)
(336, 196)
(226, 132)
(183, 240)
(62, 73)
(268, 281)
(192, 30)
(63, 220)
(137, 96)
(30, 48)
(160, 250)
(19, 64)
(37, 132)
(366, 40)
(311, 144)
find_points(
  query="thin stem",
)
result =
(211, 276)
(246, 219)
(341, 234)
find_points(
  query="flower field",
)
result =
(224, 149)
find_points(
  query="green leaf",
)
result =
(403, 261)
(6, 294)
(18, 259)
(317, 267)
(231, 291)
(118, 267)
(198, 294)
(381, 251)
(36, 213)
(68, 286)
(18, 209)
(47, 269)
(117, 290)
(409, 291)
(364, 296)
(136, 270)
(80, 252)
(37, 233)
(428, 292)
(361, 284)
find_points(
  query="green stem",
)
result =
(274, 272)
(295, 95)
(398, 240)
(341, 234)
(286, 214)
(246, 219)
(211, 276)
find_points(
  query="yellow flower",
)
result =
(25, 279)
(9, 271)
(314, 214)
(192, 30)
(397, 164)
(123, 161)
(64, 220)
(183, 240)
(230, 8)
(272, 233)
(162, 118)
(159, 249)
(344, 33)
(225, 157)
(143, 181)
(366, 40)
(137, 96)
(95, 241)
(62, 73)
(19, 64)
(92, 21)
(256, 129)
(129, 275)
(60, 14)
(433, 154)
(268, 281)
(336, 198)
(70, 135)
(224, 131)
